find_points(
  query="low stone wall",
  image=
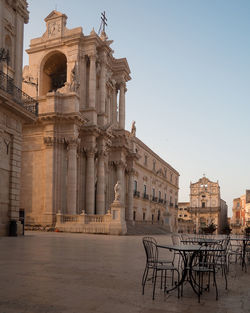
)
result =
(112, 223)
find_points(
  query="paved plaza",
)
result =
(75, 273)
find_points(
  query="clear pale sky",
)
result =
(190, 68)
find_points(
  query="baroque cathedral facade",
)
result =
(78, 148)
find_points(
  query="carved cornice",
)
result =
(21, 8)
(90, 130)
(54, 117)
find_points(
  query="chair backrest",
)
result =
(208, 255)
(184, 237)
(150, 246)
(176, 240)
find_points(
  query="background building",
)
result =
(16, 108)
(78, 148)
(241, 213)
(206, 205)
(185, 222)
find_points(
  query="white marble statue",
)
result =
(133, 129)
(118, 191)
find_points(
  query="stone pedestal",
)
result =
(117, 225)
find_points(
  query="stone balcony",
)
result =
(13, 93)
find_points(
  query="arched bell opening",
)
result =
(54, 74)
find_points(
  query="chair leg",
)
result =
(225, 274)
(215, 285)
(178, 275)
(155, 277)
(199, 289)
(144, 278)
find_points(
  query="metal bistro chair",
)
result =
(206, 265)
(235, 251)
(222, 258)
(154, 264)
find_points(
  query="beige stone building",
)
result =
(78, 148)
(185, 222)
(206, 205)
(241, 213)
(16, 108)
(155, 189)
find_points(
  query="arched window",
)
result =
(54, 73)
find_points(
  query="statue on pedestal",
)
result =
(117, 190)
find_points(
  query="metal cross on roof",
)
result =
(103, 22)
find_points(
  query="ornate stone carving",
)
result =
(49, 141)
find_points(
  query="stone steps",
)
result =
(146, 229)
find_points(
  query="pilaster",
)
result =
(72, 175)
(122, 105)
(90, 181)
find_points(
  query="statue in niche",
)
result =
(133, 129)
(117, 190)
(74, 82)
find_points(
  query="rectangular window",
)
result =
(135, 185)
(203, 204)
(153, 192)
(145, 189)
(145, 160)
(144, 216)
(159, 195)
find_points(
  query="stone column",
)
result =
(92, 81)
(72, 176)
(108, 112)
(120, 176)
(90, 181)
(100, 198)
(129, 212)
(102, 87)
(122, 106)
(47, 217)
(82, 81)
(114, 107)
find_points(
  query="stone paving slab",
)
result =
(75, 273)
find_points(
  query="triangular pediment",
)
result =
(54, 14)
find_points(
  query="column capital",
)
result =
(90, 152)
(72, 142)
(120, 164)
(122, 85)
(131, 171)
(92, 57)
(102, 153)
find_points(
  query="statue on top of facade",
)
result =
(133, 129)
(117, 190)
